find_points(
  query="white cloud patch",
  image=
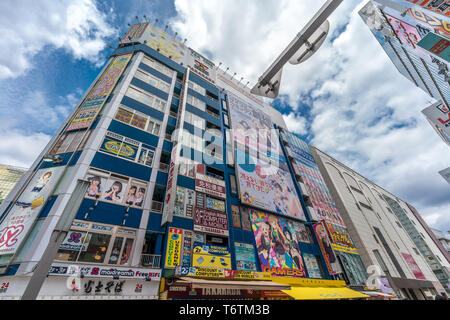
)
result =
(27, 27)
(363, 112)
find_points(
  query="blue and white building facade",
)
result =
(129, 168)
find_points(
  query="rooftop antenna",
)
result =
(137, 18)
(145, 18)
(226, 70)
(240, 80)
(218, 65)
(301, 48)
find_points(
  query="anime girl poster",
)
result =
(276, 243)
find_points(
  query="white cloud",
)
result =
(19, 149)
(296, 124)
(27, 27)
(364, 112)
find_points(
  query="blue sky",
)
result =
(348, 100)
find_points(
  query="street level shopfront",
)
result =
(203, 283)
(89, 282)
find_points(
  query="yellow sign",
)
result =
(173, 253)
(211, 256)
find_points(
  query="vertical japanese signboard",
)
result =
(97, 96)
(173, 252)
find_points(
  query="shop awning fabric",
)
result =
(224, 284)
(320, 293)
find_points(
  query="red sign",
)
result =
(185, 291)
(211, 221)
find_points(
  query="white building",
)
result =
(371, 214)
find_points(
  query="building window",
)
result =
(197, 88)
(195, 120)
(157, 66)
(416, 251)
(195, 102)
(225, 120)
(398, 224)
(96, 243)
(138, 120)
(71, 141)
(187, 168)
(233, 184)
(236, 216)
(146, 98)
(153, 81)
(380, 261)
(114, 188)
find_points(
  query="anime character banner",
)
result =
(20, 219)
(326, 248)
(277, 245)
(268, 187)
(252, 127)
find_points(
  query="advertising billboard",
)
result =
(277, 244)
(413, 266)
(437, 45)
(438, 115)
(245, 256)
(312, 266)
(210, 221)
(438, 6)
(20, 219)
(211, 256)
(326, 248)
(268, 187)
(97, 96)
(306, 167)
(252, 127)
(173, 252)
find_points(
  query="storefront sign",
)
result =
(210, 221)
(340, 238)
(98, 271)
(173, 253)
(185, 291)
(211, 256)
(187, 248)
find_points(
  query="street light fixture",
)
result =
(304, 45)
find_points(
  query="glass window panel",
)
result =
(96, 249)
(126, 253)
(74, 242)
(115, 252)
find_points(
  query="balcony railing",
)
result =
(157, 206)
(164, 167)
(168, 137)
(173, 114)
(151, 260)
(213, 114)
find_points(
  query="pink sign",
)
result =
(413, 266)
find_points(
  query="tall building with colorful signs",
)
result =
(415, 34)
(169, 180)
(388, 233)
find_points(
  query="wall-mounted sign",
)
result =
(210, 185)
(211, 256)
(173, 252)
(210, 221)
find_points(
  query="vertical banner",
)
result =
(326, 248)
(413, 266)
(97, 96)
(21, 217)
(173, 252)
